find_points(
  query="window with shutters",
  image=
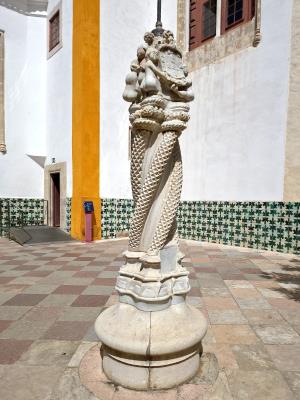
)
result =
(204, 19)
(55, 30)
(235, 12)
(203, 14)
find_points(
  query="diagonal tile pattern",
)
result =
(50, 296)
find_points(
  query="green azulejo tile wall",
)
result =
(21, 212)
(68, 214)
(115, 216)
(261, 225)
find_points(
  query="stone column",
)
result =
(2, 122)
(152, 339)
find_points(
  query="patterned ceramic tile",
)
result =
(124, 212)
(260, 225)
(21, 212)
(108, 217)
(68, 214)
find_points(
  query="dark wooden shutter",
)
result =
(202, 21)
(54, 30)
(195, 24)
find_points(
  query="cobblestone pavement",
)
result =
(50, 296)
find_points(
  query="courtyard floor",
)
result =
(50, 296)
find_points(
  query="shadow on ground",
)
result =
(289, 279)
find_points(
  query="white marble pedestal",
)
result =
(144, 350)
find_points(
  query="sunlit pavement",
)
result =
(50, 296)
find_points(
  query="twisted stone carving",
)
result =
(143, 349)
(164, 231)
(159, 89)
(150, 187)
(138, 145)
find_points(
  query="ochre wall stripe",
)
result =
(86, 102)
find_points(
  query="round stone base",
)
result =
(205, 385)
(151, 350)
(147, 376)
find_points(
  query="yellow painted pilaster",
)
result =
(86, 102)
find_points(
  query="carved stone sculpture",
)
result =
(152, 339)
(159, 89)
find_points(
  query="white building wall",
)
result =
(123, 24)
(234, 146)
(25, 108)
(59, 95)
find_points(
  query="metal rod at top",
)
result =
(158, 10)
(158, 31)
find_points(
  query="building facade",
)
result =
(64, 125)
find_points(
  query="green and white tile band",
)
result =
(261, 225)
(19, 211)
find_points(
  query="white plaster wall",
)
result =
(123, 24)
(25, 109)
(234, 146)
(59, 96)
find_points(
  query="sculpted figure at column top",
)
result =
(159, 89)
